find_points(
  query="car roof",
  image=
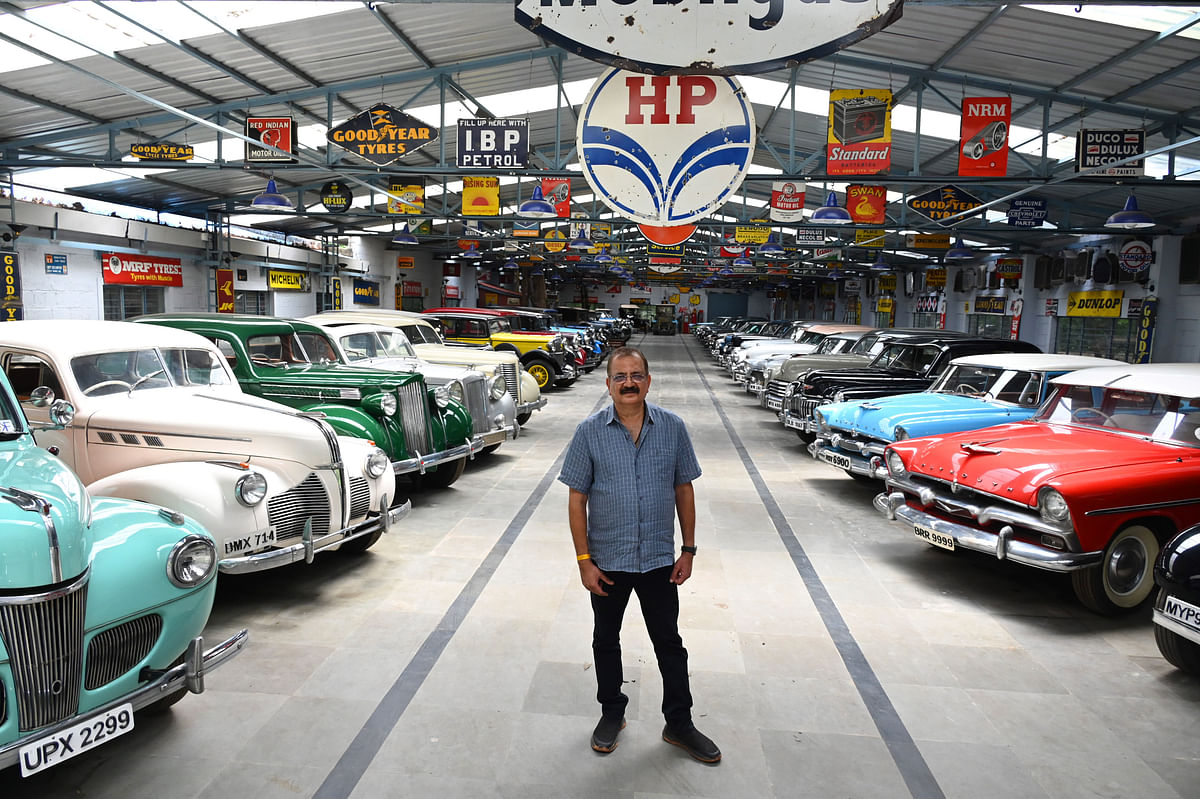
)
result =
(480, 311)
(384, 317)
(831, 328)
(1036, 361)
(67, 338)
(1176, 379)
(247, 324)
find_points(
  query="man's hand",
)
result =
(593, 579)
(683, 569)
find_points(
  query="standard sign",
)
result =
(730, 37)
(665, 150)
(493, 143)
(1095, 148)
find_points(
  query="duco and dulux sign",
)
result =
(717, 37)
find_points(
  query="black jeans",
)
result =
(659, 598)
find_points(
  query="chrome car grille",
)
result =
(778, 388)
(475, 393)
(115, 651)
(799, 406)
(414, 416)
(288, 511)
(360, 497)
(44, 640)
(509, 370)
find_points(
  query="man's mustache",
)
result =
(630, 390)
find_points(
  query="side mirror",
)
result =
(62, 413)
(41, 397)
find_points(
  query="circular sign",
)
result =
(1135, 256)
(667, 236)
(665, 150)
(694, 299)
(336, 197)
(555, 241)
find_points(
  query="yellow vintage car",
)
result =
(543, 355)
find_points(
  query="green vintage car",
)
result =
(427, 432)
(102, 602)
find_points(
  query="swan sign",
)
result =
(665, 149)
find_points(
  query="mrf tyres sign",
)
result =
(665, 149)
(716, 37)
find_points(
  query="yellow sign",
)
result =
(555, 241)
(694, 299)
(285, 281)
(406, 262)
(928, 241)
(935, 278)
(751, 235)
(884, 305)
(1095, 303)
(674, 298)
(870, 237)
(406, 198)
(162, 151)
(887, 282)
(481, 196)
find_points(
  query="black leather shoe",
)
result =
(604, 737)
(694, 742)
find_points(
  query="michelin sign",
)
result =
(715, 37)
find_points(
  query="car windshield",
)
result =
(136, 370)
(1162, 417)
(421, 334)
(375, 344)
(1006, 385)
(287, 350)
(833, 346)
(871, 344)
(906, 356)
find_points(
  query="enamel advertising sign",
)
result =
(1096, 148)
(382, 134)
(557, 192)
(787, 201)
(665, 149)
(732, 37)
(277, 133)
(983, 136)
(493, 143)
(944, 205)
(867, 204)
(859, 139)
(141, 270)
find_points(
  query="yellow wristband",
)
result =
(584, 556)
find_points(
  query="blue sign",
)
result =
(56, 264)
(493, 143)
(1027, 212)
(366, 292)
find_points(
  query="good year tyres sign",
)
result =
(665, 149)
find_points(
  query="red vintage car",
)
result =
(1094, 484)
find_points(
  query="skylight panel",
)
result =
(1143, 16)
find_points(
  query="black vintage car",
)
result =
(903, 367)
(1177, 607)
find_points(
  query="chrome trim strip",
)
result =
(1148, 506)
(1165, 621)
(39, 505)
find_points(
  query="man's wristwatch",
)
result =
(689, 550)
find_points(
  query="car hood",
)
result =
(1015, 460)
(793, 369)
(333, 375)
(761, 349)
(921, 414)
(26, 560)
(436, 374)
(875, 382)
(486, 361)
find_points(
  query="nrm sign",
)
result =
(721, 37)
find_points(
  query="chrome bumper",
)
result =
(793, 422)
(868, 466)
(772, 403)
(423, 462)
(1002, 545)
(568, 372)
(499, 435)
(307, 547)
(530, 407)
(1166, 622)
(190, 674)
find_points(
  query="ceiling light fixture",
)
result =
(831, 213)
(271, 199)
(537, 206)
(1130, 217)
(404, 236)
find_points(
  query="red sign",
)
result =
(867, 204)
(984, 136)
(667, 235)
(141, 270)
(275, 132)
(557, 192)
(224, 291)
(859, 139)
(411, 288)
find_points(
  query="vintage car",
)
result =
(425, 432)
(1094, 484)
(975, 391)
(544, 357)
(902, 367)
(102, 602)
(160, 418)
(804, 340)
(758, 331)
(493, 413)
(427, 341)
(761, 371)
(1177, 606)
(579, 352)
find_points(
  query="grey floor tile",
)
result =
(820, 765)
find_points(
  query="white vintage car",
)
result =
(430, 347)
(493, 412)
(160, 418)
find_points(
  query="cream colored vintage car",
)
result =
(160, 418)
(430, 347)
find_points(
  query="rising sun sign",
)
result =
(718, 37)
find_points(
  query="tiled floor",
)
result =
(837, 658)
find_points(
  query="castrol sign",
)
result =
(665, 149)
(729, 37)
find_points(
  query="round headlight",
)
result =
(556, 344)
(250, 489)
(455, 389)
(498, 387)
(191, 561)
(895, 464)
(388, 403)
(900, 433)
(822, 425)
(441, 395)
(377, 463)
(839, 396)
(1053, 506)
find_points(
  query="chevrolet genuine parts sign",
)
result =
(719, 37)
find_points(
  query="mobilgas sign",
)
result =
(382, 134)
(941, 204)
(1095, 148)
(665, 150)
(493, 143)
(729, 37)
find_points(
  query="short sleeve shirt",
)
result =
(631, 489)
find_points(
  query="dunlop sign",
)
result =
(731, 37)
(382, 134)
(1095, 303)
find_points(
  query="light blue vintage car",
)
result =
(973, 392)
(102, 602)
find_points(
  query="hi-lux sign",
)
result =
(722, 37)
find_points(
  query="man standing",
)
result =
(630, 469)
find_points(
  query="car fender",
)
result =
(358, 423)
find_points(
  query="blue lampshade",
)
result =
(770, 248)
(1130, 217)
(537, 206)
(880, 265)
(472, 252)
(741, 262)
(404, 236)
(725, 270)
(831, 213)
(272, 200)
(582, 242)
(604, 257)
(959, 252)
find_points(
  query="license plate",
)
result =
(250, 543)
(793, 423)
(834, 459)
(1185, 613)
(934, 537)
(52, 749)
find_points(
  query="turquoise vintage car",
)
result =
(80, 650)
(974, 391)
(427, 432)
